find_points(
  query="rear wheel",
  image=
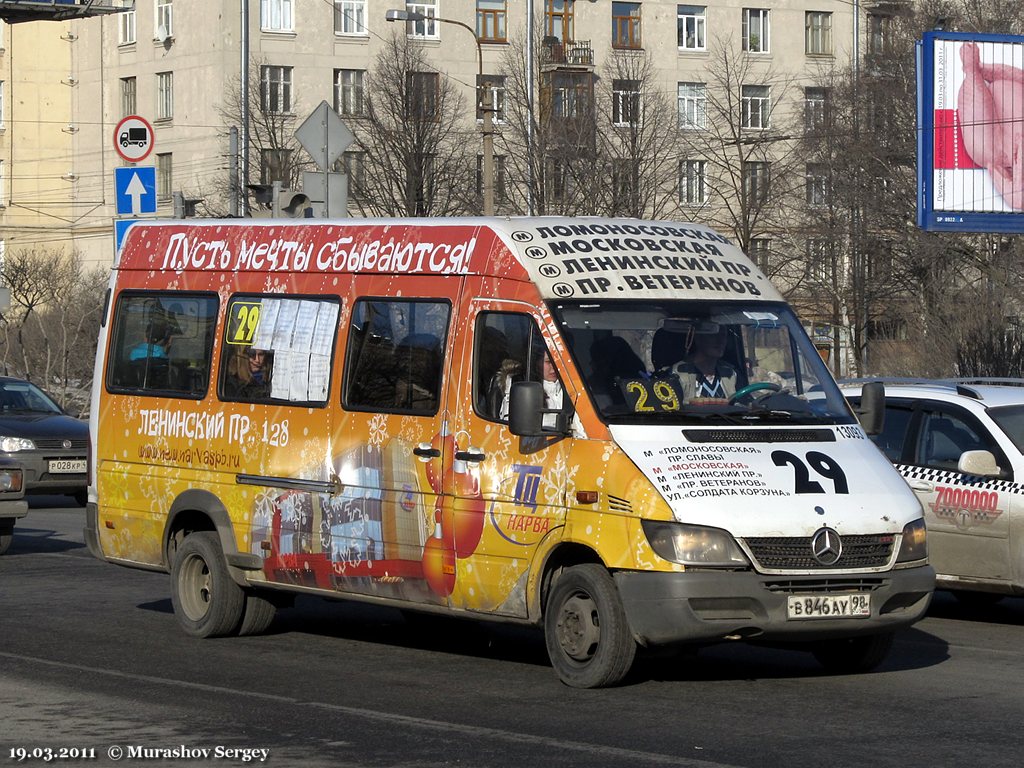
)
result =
(207, 602)
(853, 654)
(257, 615)
(585, 629)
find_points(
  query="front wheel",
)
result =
(207, 602)
(852, 655)
(6, 537)
(585, 629)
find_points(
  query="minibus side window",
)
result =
(278, 349)
(162, 343)
(395, 356)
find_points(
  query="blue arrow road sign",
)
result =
(135, 189)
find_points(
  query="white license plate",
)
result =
(829, 606)
(67, 466)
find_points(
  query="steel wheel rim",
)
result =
(579, 627)
(196, 587)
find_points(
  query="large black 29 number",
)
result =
(824, 465)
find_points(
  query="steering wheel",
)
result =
(750, 389)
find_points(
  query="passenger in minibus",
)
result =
(250, 377)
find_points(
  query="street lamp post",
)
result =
(487, 107)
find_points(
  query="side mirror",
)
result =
(525, 409)
(872, 407)
(980, 463)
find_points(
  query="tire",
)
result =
(257, 615)
(854, 654)
(5, 541)
(585, 629)
(978, 599)
(207, 602)
(81, 497)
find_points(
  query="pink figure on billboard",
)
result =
(991, 109)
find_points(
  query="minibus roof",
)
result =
(567, 258)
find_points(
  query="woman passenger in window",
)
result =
(250, 379)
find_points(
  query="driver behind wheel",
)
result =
(703, 376)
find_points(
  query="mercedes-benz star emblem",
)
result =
(826, 546)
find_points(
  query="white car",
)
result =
(959, 444)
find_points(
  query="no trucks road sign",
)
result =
(133, 138)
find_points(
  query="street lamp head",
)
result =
(404, 16)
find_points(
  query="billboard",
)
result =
(970, 142)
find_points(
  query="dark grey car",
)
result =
(50, 444)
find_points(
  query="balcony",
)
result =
(559, 54)
(14, 11)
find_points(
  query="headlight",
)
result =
(694, 544)
(15, 444)
(915, 542)
(10, 480)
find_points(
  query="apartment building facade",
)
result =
(180, 63)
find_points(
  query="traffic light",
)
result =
(282, 203)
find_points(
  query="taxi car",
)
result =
(959, 444)
(51, 445)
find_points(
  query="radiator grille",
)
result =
(794, 552)
(57, 444)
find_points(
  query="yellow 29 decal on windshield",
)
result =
(651, 395)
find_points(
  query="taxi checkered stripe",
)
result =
(950, 476)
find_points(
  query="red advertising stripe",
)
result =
(950, 151)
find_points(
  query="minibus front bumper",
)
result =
(703, 606)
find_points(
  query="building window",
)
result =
(625, 102)
(755, 30)
(557, 180)
(755, 182)
(276, 91)
(164, 95)
(353, 165)
(818, 33)
(164, 177)
(129, 105)
(422, 95)
(497, 96)
(490, 20)
(350, 17)
(819, 259)
(760, 250)
(817, 185)
(570, 95)
(879, 33)
(755, 106)
(275, 165)
(815, 109)
(427, 27)
(558, 20)
(625, 25)
(499, 176)
(693, 106)
(276, 16)
(693, 182)
(164, 19)
(348, 92)
(691, 27)
(126, 27)
(625, 183)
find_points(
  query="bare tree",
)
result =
(48, 335)
(549, 141)
(273, 151)
(415, 146)
(637, 141)
(743, 128)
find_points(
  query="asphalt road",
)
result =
(91, 659)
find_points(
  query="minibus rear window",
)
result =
(162, 343)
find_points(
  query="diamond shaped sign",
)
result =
(324, 136)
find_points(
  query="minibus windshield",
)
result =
(699, 362)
